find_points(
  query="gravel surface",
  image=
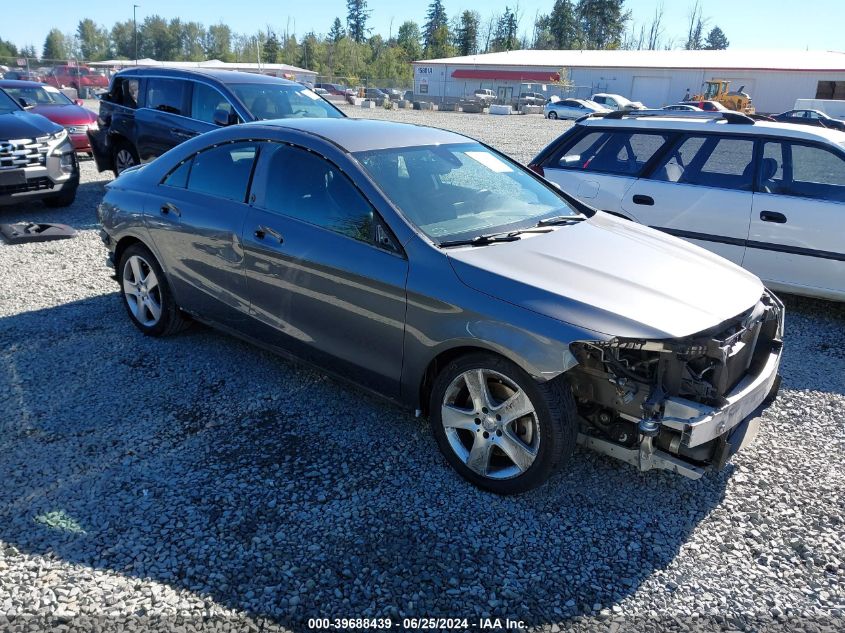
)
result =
(198, 482)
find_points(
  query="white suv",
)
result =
(768, 196)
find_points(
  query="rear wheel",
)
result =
(124, 157)
(552, 115)
(146, 294)
(498, 427)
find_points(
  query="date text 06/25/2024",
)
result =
(414, 624)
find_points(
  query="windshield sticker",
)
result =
(490, 161)
(310, 94)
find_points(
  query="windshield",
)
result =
(7, 105)
(460, 191)
(39, 95)
(284, 101)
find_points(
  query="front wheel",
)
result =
(552, 115)
(498, 427)
(146, 294)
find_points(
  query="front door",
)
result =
(325, 280)
(795, 241)
(700, 190)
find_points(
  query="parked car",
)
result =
(81, 78)
(683, 107)
(530, 98)
(484, 95)
(810, 117)
(334, 89)
(708, 106)
(37, 161)
(22, 75)
(767, 196)
(571, 108)
(392, 93)
(147, 111)
(616, 102)
(321, 91)
(375, 94)
(439, 273)
(53, 104)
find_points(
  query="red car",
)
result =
(82, 78)
(52, 104)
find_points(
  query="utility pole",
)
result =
(135, 26)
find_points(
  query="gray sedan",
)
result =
(434, 271)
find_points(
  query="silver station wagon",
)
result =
(435, 271)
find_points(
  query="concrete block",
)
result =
(531, 109)
(500, 109)
(403, 104)
(368, 104)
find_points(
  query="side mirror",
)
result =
(224, 117)
(79, 102)
(24, 103)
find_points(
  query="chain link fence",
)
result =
(77, 75)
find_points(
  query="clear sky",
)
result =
(765, 24)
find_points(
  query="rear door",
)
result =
(700, 190)
(601, 165)
(163, 122)
(796, 239)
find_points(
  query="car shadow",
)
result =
(81, 215)
(207, 464)
(814, 320)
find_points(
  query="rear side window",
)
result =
(623, 153)
(125, 92)
(794, 169)
(166, 95)
(223, 171)
(710, 161)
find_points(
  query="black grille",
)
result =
(34, 184)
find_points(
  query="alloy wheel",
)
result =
(123, 160)
(491, 424)
(141, 291)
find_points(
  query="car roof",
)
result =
(20, 83)
(359, 135)
(216, 74)
(688, 124)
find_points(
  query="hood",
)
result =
(612, 276)
(22, 124)
(66, 114)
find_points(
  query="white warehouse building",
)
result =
(774, 79)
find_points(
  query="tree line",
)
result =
(349, 48)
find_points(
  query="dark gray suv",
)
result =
(147, 111)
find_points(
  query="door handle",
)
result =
(641, 199)
(773, 216)
(169, 207)
(263, 231)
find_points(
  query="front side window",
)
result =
(710, 161)
(794, 169)
(623, 153)
(222, 171)
(305, 186)
(166, 95)
(124, 91)
(284, 101)
(205, 101)
(463, 190)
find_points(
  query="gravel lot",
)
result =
(197, 482)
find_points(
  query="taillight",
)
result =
(537, 169)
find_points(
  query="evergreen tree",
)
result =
(716, 40)
(336, 32)
(93, 40)
(356, 19)
(408, 40)
(55, 46)
(7, 49)
(601, 23)
(504, 38)
(467, 35)
(563, 25)
(435, 19)
(271, 48)
(218, 43)
(123, 39)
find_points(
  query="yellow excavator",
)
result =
(717, 90)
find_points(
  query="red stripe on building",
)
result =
(513, 75)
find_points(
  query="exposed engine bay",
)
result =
(647, 395)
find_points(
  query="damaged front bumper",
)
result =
(691, 437)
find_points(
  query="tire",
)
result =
(552, 115)
(124, 156)
(150, 305)
(479, 443)
(64, 199)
